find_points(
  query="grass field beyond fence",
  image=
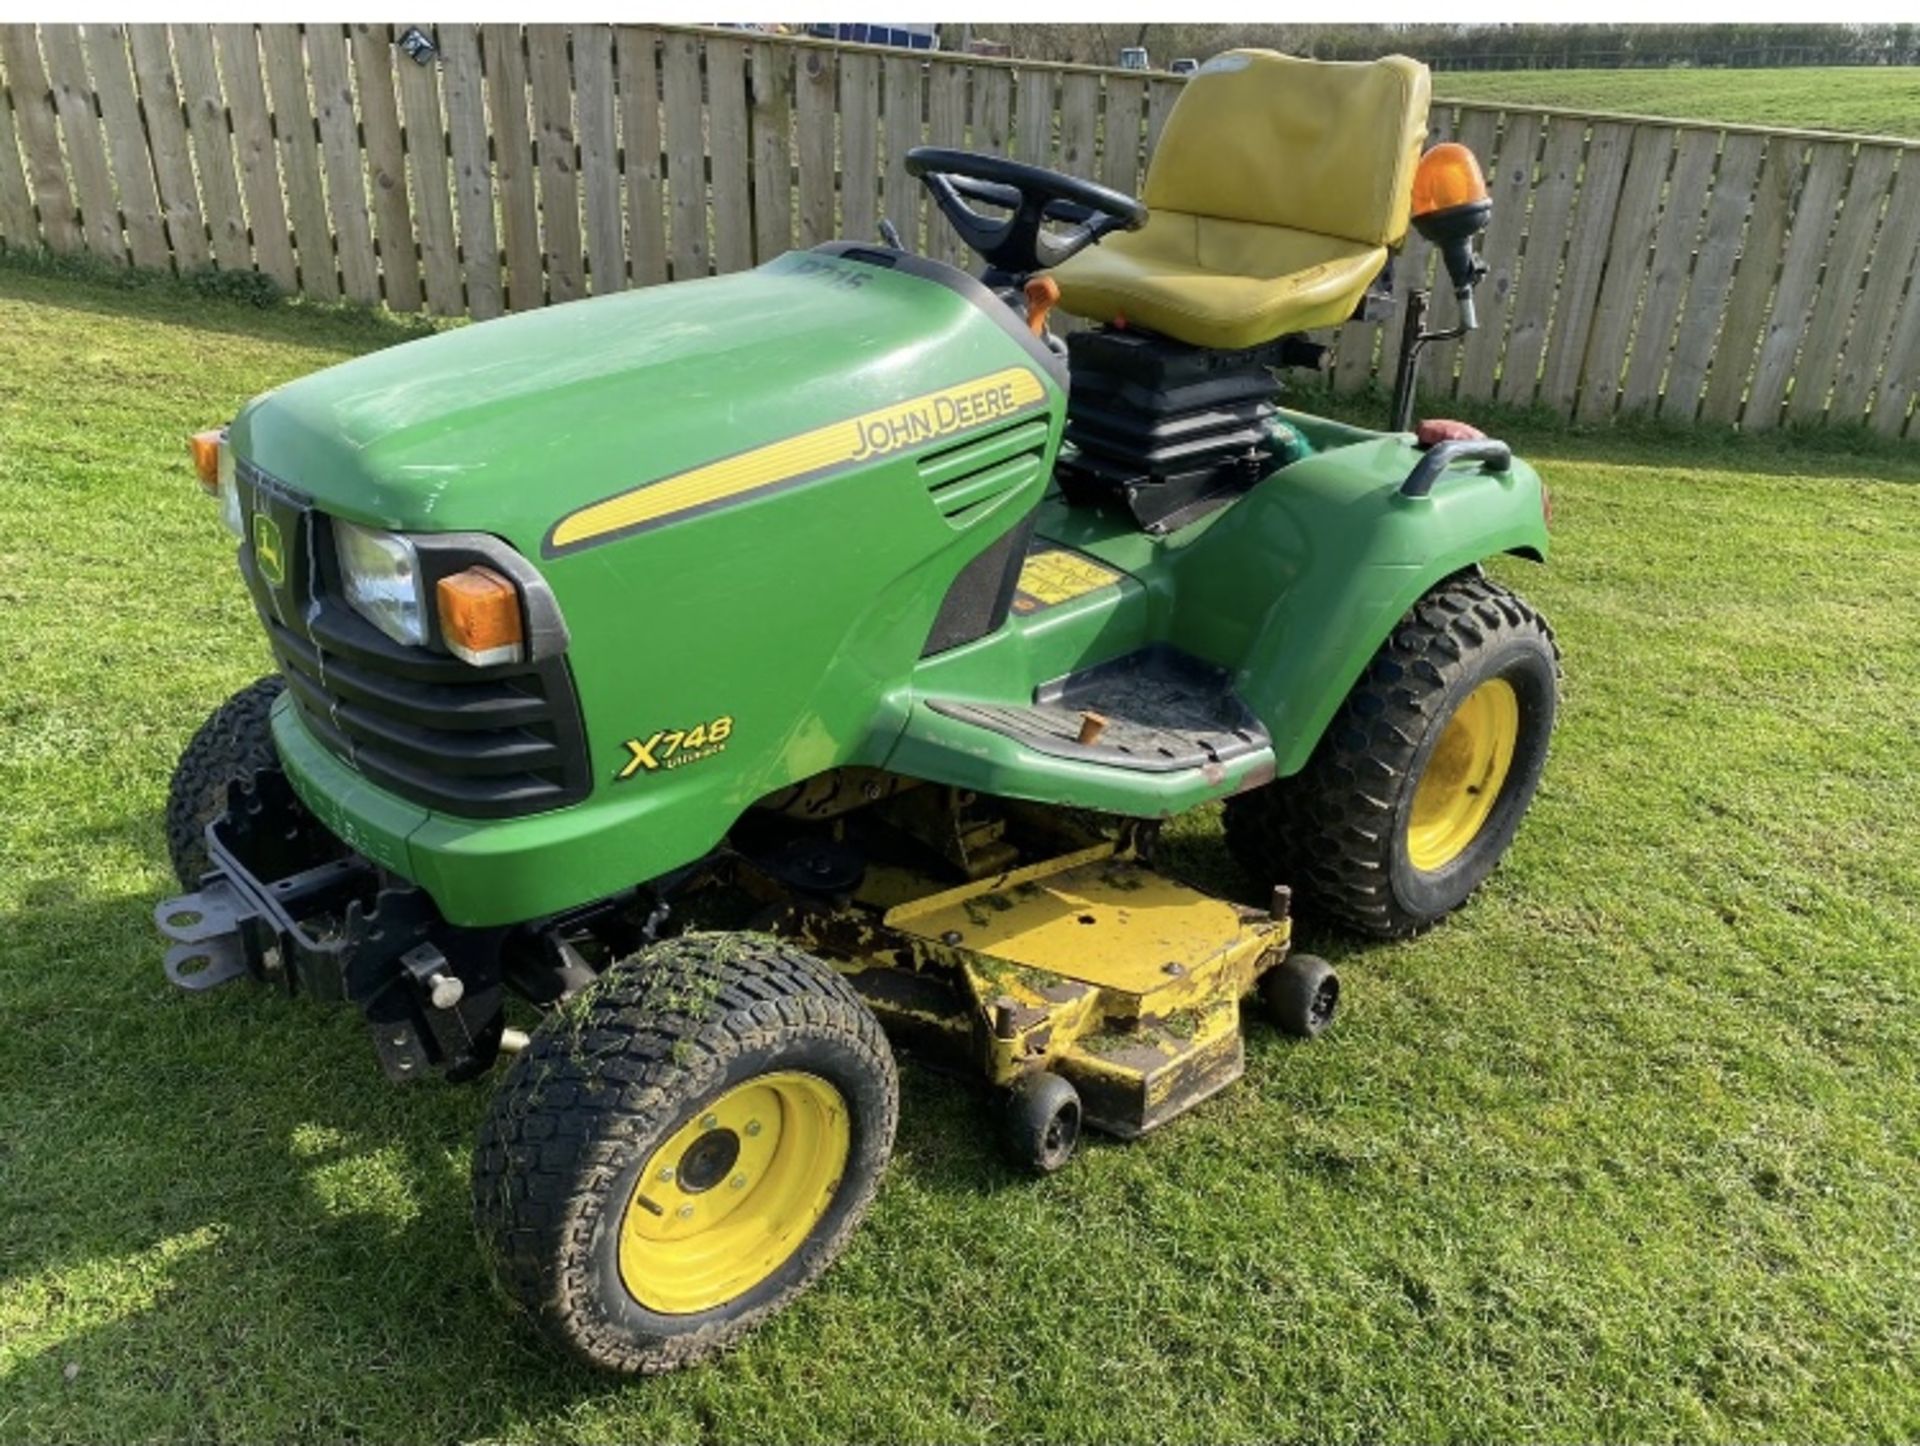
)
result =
(1867, 100)
(1630, 1150)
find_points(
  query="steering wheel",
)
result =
(1016, 244)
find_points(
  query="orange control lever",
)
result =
(1043, 294)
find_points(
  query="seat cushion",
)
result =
(1325, 146)
(1218, 283)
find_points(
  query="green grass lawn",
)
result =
(1875, 100)
(1630, 1149)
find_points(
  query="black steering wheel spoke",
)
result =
(1017, 243)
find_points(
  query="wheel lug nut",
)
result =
(709, 1122)
(667, 1173)
(753, 1127)
(739, 1182)
(686, 1212)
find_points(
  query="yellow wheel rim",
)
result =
(726, 1201)
(1464, 775)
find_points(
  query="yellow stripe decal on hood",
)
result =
(847, 443)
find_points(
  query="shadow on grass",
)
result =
(292, 1223)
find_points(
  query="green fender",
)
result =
(1311, 571)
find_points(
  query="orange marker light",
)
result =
(1448, 176)
(480, 617)
(205, 447)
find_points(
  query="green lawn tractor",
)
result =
(752, 675)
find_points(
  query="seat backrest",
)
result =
(1315, 145)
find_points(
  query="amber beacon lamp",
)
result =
(1450, 208)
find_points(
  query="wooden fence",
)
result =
(1721, 273)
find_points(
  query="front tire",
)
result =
(683, 1148)
(1419, 783)
(233, 745)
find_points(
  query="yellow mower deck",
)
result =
(1089, 964)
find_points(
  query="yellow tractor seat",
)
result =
(1277, 191)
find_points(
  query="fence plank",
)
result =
(1034, 117)
(1673, 250)
(464, 88)
(1511, 185)
(993, 111)
(1746, 312)
(39, 126)
(599, 157)
(1831, 325)
(1900, 381)
(153, 70)
(552, 93)
(1121, 133)
(85, 145)
(1895, 258)
(639, 75)
(300, 159)
(1079, 122)
(513, 165)
(901, 76)
(386, 162)
(106, 47)
(345, 166)
(1531, 304)
(259, 158)
(425, 131)
(729, 148)
(1627, 264)
(1573, 307)
(778, 73)
(206, 107)
(946, 126)
(813, 110)
(1699, 326)
(859, 146)
(1799, 274)
(1161, 95)
(17, 225)
(686, 157)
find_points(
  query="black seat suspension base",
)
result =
(1166, 430)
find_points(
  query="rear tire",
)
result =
(1421, 779)
(682, 1148)
(234, 744)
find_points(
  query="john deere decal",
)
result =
(803, 458)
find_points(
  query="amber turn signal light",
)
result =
(480, 617)
(1448, 176)
(205, 447)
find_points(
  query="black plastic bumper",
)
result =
(287, 903)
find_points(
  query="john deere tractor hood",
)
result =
(506, 426)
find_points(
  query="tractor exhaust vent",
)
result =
(965, 480)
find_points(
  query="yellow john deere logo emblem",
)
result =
(269, 554)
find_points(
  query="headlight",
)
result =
(381, 577)
(229, 491)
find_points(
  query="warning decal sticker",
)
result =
(1056, 575)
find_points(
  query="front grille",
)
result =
(492, 742)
